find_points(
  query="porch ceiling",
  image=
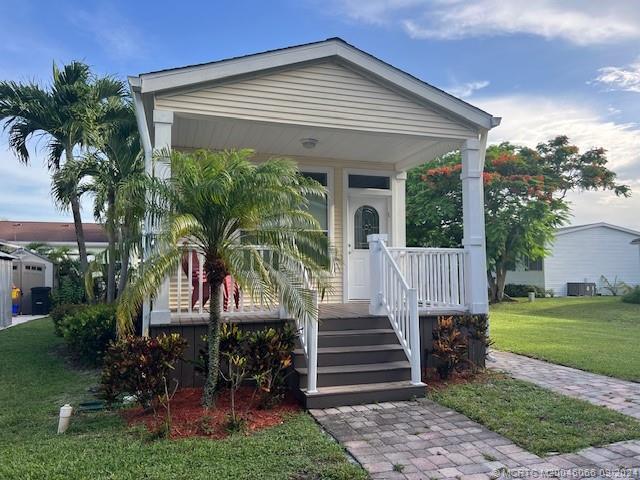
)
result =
(401, 151)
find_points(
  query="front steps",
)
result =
(359, 361)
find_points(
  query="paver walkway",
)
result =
(424, 440)
(619, 395)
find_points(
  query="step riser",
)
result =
(353, 358)
(329, 401)
(355, 378)
(357, 340)
(330, 324)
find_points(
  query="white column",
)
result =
(375, 273)
(473, 151)
(398, 210)
(162, 122)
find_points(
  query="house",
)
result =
(583, 254)
(54, 234)
(356, 124)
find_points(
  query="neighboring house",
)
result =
(356, 124)
(583, 254)
(55, 234)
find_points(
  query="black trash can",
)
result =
(40, 300)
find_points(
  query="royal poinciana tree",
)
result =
(230, 209)
(525, 200)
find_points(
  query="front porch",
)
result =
(355, 125)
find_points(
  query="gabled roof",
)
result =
(49, 232)
(20, 252)
(331, 48)
(578, 228)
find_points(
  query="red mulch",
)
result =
(190, 419)
(433, 380)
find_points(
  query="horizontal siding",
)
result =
(586, 255)
(325, 95)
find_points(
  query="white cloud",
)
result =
(465, 90)
(25, 191)
(580, 22)
(117, 36)
(621, 78)
(528, 120)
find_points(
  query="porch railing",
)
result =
(438, 275)
(190, 290)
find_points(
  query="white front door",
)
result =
(367, 215)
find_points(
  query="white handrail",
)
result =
(399, 301)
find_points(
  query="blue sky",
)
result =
(547, 67)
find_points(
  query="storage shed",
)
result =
(6, 264)
(30, 270)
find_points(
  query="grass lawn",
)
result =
(34, 383)
(597, 334)
(536, 419)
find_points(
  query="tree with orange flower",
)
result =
(525, 200)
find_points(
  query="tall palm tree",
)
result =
(230, 208)
(65, 113)
(116, 169)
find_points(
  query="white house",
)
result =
(356, 124)
(584, 253)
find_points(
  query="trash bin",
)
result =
(40, 300)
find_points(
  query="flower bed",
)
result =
(190, 419)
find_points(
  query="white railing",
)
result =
(190, 290)
(391, 294)
(308, 336)
(438, 275)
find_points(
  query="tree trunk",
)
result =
(213, 337)
(77, 220)
(124, 260)
(501, 279)
(111, 252)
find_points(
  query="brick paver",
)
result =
(424, 440)
(619, 395)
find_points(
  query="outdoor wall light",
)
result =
(309, 142)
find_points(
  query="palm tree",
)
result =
(116, 169)
(229, 209)
(66, 113)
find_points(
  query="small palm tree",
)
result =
(230, 209)
(67, 113)
(115, 170)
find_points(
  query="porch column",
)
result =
(473, 151)
(162, 122)
(398, 210)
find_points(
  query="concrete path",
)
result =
(20, 319)
(424, 440)
(619, 395)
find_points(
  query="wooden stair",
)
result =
(360, 360)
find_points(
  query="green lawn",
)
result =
(34, 383)
(598, 334)
(536, 419)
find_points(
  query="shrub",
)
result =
(450, 347)
(513, 290)
(88, 331)
(270, 356)
(632, 296)
(59, 312)
(140, 367)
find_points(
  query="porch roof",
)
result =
(188, 76)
